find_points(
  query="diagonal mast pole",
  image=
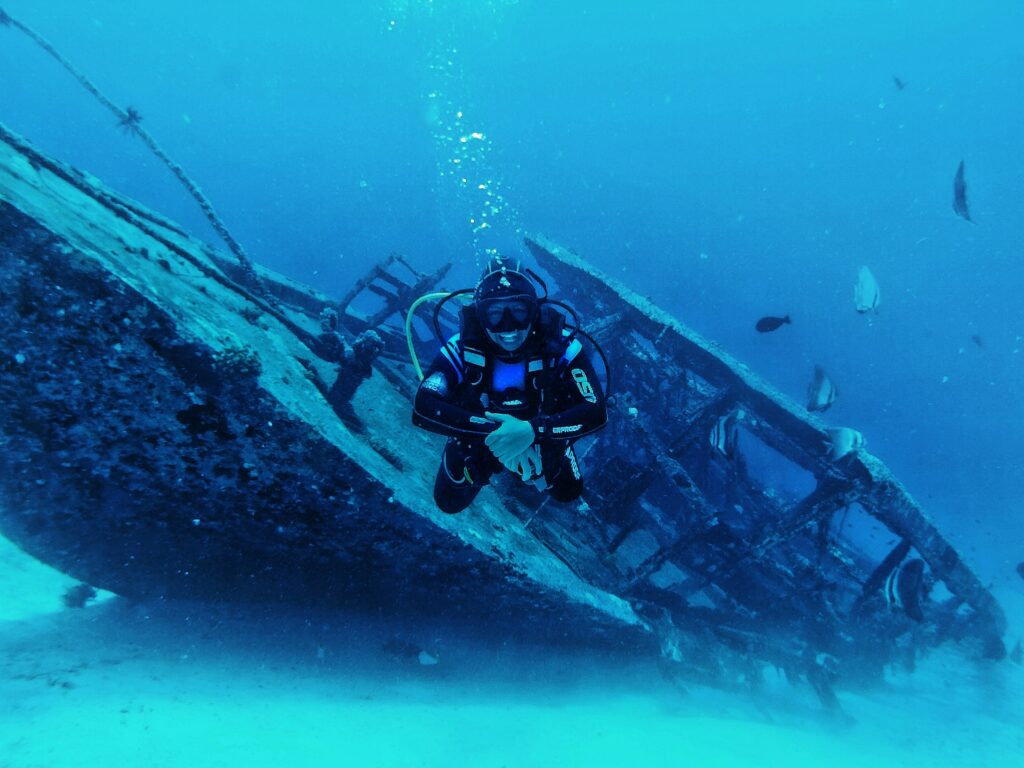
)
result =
(131, 120)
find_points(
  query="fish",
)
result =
(900, 84)
(1020, 569)
(402, 649)
(866, 295)
(904, 589)
(821, 392)
(78, 595)
(769, 323)
(960, 205)
(724, 434)
(978, 340)
(1015, 654)
(842, 441)
(881, 574)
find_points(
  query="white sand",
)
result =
(186, 685)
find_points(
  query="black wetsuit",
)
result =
(549, 382)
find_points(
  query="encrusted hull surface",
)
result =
(165, 434)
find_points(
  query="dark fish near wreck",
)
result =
(978, 340)
(881, 574)
(724, 433)
(899, 83)
(905, 588)
(769, 323)
(821, 392)
(960, 194)
(401, 649)
(843, 441)
(78, 595)
(1020, 569)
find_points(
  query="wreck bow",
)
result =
(168, 434)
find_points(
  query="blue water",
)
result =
(729, 160)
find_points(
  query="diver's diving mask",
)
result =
(505, 314)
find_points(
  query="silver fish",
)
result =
(842, 441)
(724, 433)
(866, 295)
(821, 392)
(904, 589)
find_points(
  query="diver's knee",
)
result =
(452, 499)
(449, 505)
(565, 493)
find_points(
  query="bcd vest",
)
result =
(511, 382)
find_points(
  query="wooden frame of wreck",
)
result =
(632, 330)
(726, 571)
(750, 566)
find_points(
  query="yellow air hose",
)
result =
(408, 328)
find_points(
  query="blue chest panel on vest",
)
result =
(506, 376)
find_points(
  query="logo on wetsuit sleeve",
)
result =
(563, 430)
(584, 385)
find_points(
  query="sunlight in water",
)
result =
(468, 187)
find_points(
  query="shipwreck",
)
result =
(173, 429)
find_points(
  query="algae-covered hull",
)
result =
(165, 432)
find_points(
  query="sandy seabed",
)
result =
(193, 685)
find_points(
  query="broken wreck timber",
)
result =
(673, 384)
(174, 435)
(164, 434)
(731, 560)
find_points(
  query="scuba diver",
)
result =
(514, 389)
